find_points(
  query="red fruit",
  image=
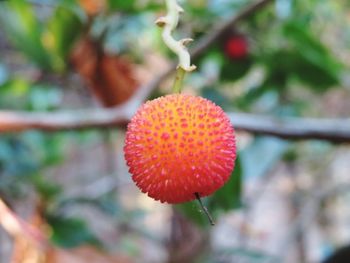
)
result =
(179, 145)
(236, 47)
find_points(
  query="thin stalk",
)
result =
(204, 209)
(179, 78)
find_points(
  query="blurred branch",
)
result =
(334, 130)
(220, 29)
(18, 227)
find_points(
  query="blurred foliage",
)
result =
(262, 154)
(70, 232)
(45, 43)
(286, 51)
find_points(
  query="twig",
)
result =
(16, 226)
(205, 210)
(220, 29)
(333, 130)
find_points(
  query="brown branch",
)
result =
(220, 29)
(12, 121)
(16, 226)
(334, 130)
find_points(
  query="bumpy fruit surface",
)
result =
(179, 145)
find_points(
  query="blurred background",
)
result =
(72, 72)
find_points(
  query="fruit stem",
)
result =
(169, 23)
(179, 77)
(204, 209)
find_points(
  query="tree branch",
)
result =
(16, 226)
(220, 29)
(334, 130)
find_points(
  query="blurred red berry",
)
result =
(236, 47)
(179, 145)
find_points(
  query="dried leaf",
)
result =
(109, 77)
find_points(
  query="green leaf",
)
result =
(14, 88)
(230, 69)
(225, 199)
(319, 76)
(46, 189)
(228, 197)
(63, 28)
(193, 212)
(313, 61)
(132, 6)
(70, 232)
(121, 5)
(233, 70)
(286, 64)
(24, 30)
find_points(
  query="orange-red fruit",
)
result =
(179, 145)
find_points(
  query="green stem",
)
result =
(179, 77)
